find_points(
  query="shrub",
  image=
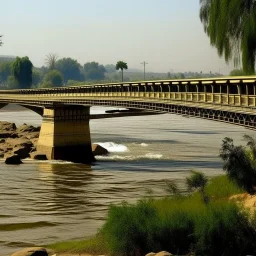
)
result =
(239, 163)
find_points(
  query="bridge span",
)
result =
(65, 132)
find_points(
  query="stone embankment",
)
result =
(17, 143)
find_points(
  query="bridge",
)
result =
(65, 132)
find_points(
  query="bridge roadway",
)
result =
(66, 114)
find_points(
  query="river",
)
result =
(46, 202)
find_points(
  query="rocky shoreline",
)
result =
(17, 143)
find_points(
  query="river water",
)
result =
(46, 202)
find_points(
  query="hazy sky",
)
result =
(167, 34)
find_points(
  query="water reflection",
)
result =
(67, 187)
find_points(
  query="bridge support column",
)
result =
(65, 134)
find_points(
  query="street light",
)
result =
(144, 63)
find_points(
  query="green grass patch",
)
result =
(222, 187)
(94, 245)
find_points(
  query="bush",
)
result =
(240, 163)
(177, 225)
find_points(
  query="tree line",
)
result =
(21, 73)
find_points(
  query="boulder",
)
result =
(163, 253)
(22, 151)
(33, 251)
(27, 128)
(4, 135)
(12, 159)
(6, 126)
(37, 156)
(98, 150)
(151, 254)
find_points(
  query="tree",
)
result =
(110, 68)
(51, 60)
(94, 71)
(5, 71)
(240, 162)
(231, 27)
(69, 68)
(1, 40)
(37, 77)
(121, 65)
(237, 72)
(22, 72)
(53, 78)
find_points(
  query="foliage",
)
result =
(53, 78)
(172, 188)
(37, 77)
(22, 71)
(178, 225)
(237, 72)
(198, 180)
(5, 71)
(231, 27)
(1, 43)
(240, 162)
(222, 187)
(121, 65)
(69, 68)
(94, 71)
(51, 60)
(12, 83)
(110, 68)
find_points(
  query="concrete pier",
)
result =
(65, 134)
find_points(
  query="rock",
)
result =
(163, 253)
(150, 254)
(6, 126)
(13, 159)
(2, 140)
(4, 135)
(27, 128)
(98, 150)
(33, 251)
(37, 156)
(22, 151)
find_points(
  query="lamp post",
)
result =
(144, 64)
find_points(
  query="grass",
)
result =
(180, 224)
(94, 245)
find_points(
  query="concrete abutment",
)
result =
(65, 134)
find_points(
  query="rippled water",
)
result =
(45, 202)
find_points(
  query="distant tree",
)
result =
(70, 69)
(37, 77)
(94, 71)
(22, 72)
(230, 26)
(121, 65)
(237, 72)
(5, 71)
(1, 40)
(51, 60)
(12, 83)
(240, 162)
(53, 78)
(110, 68)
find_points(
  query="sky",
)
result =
(167, 34)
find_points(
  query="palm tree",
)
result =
(51, 60)
(121, 65)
